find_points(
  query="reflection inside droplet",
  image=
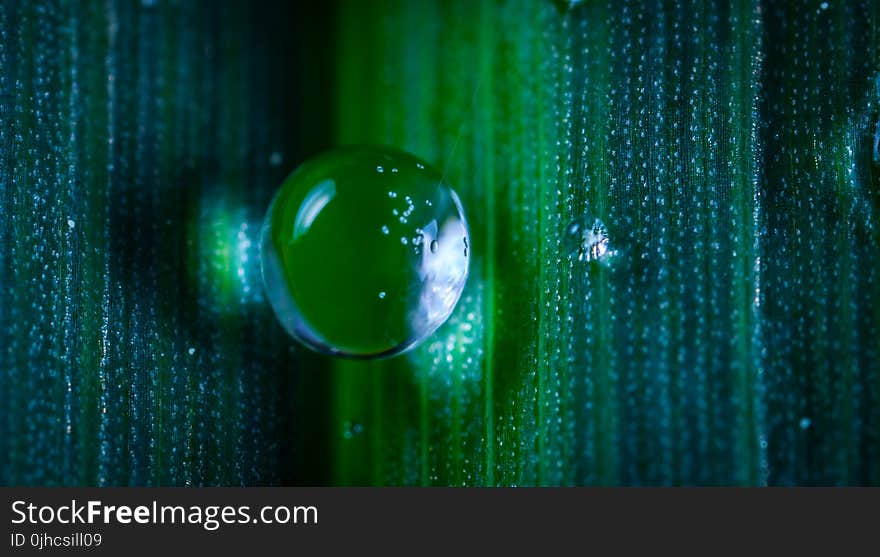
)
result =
(316, 200)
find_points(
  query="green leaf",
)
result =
(731, 336)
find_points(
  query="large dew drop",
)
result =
(364, 252)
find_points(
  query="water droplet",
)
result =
(565, 5)
(876, 150)
(586, 239)
(71, 224)
(275, 158)
(191, 351)
(350, 430)
(823, 5)
(805, 422)
(325, 277)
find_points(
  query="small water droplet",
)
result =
(805, 422)
(434, 246)
(380, 169)
(349, 429)
(565, 5)
(275, 158)
(385, 230)
(382, 295)
(586, 239)
(876, 150)
(71, 223)
(191, 351)
(824, 5)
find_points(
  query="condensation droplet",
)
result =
(586, 239)
(349, 429)
(565, 5)
(876, 149)
(323, 275)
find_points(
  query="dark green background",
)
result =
(734, 339)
